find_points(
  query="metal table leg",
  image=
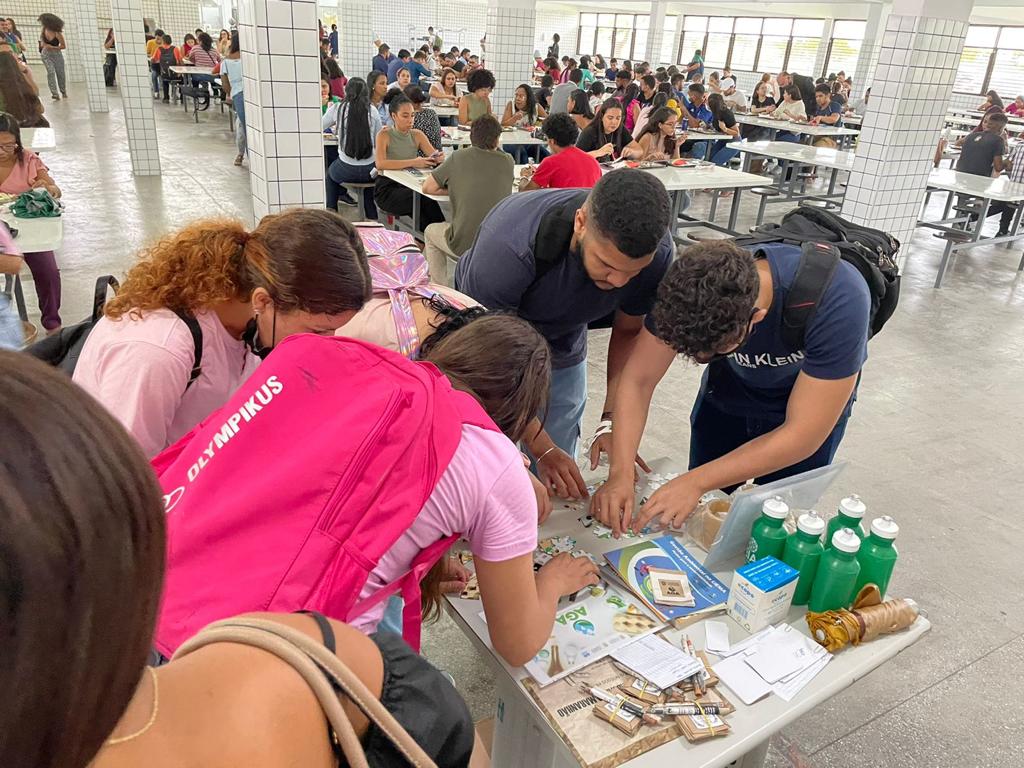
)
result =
(944, 263)
(416, 198)
(980, 223)
(734, 209)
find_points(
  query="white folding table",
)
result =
(792, 155)
(38, 139)
(806, 129)
(33, 235)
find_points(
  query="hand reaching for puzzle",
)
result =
(566, 574)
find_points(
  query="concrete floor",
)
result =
(935, 441)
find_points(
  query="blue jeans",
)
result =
(238, 102)
(787, 136)
(10, 326)
(699, 150)
(391, 621)
(714, 433)
(340, 172)
(566, 401)
(723, 152)
(520, 152)
(154, 76)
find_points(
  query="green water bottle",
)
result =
(803, 551)
(837, 573)
(768, 537)
(877, 556)
(851, 513)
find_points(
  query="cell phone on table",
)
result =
(415, 171)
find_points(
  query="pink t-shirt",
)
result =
(139, 369)
(23, 174)
(485, 494)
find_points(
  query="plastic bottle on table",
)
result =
(803, 551)
(851, 513)
(837, 573)
(768, 537)
(878, 554)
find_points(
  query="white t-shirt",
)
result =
(737, 98)
(139, 369)
(727, 82)
(790, 110)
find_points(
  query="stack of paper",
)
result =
(657, 660)
(777, 660)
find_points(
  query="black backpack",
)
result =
(63, 349)
(824, 239)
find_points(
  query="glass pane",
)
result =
(1011, 37)
(718, 49)
(1008, 74)
(720, 24)
(695, 23)
(691, 42)
(588, 19)
(623, 43)
(624, 20)
(668, 45)
(773, 54)
(802, 55)
(748, 26)
(808, 28)
(586, 41)
(850, 30)
(606, 20)
(970, 77)
(778, 26)
(642, 22)
(744, 51)
(603, 44)
(843, 57)
(981, 37)
(640, 46)
(670, 23)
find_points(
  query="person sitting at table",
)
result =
(335, 78)
(22, 170)
(607, 249)
(698, 117)
(400, 146)
(660, 100)
(613, 69)
(223, 43)
(233, 293)
(579, 109)
(588, 75)
(568, 66)
(560, 95)
(724, 121)
(187, 44)
(445, 93)
(567, 166)
(982, 152)
(204, 55)
(622, 79)
(792, 109)
(763, 410)
(828, 112)
(713, 84)
(735, 99)
(356, 125)
(543, 94)
(377, 85)
(762, 102)
(426, 119)
(382, 60)
(165, 57)
(992, 99)
(476, 178)
(404, 59)
(606, 137)
(1016, 107)
(104, 532)
(658, 137)
(418, 67)
(18, 96)
(631, 106)
(477, 101)
(403, 79)
(648, 87)
(597, 95)
(1014, 167)
(552, 67)
(522, 110)
(860, 106)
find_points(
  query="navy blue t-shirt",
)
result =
(756, 379)
(832, 109)
(499, 271)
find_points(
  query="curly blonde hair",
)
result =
(309, 260)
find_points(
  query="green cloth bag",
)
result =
(36, 204)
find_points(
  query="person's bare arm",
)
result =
(463, 111)
(431, 187)
(997, 164)
(815, 406)
(10, 264)
(632, 150)
(44, 181)
(63, 44)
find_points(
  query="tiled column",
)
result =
(655, 32)
(913, 82)
(870, 48)
(280, 59)
(356, 29)
(510, 25)
(822, 55)
(84, 17)
(75, 39)
(136, 93)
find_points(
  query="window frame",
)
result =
(682, 31)
(986, 82)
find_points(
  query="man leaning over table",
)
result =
(763, 410)
(564, 258)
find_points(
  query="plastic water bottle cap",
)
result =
(852, 506)
(885, 527)
(845, 540)
(811, 523)
(775, 507)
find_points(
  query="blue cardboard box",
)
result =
(762, 592)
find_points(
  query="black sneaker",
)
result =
(346, 199)
(1002, 233)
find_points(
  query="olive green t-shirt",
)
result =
(476, 180)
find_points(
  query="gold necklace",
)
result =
(152, 716)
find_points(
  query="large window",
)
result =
(752, 44)
(992, 59)
(622, 35)
(844, 47)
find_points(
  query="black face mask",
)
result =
(251, 337)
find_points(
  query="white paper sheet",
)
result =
(717, 637)
(781, 654)
(786, 690)
(657, 660)
(741, 679)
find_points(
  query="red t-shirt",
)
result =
(570, 168)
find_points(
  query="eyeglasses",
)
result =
(8, 147)
(739, 344)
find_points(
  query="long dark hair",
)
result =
(597, 124)
(654, 123)
(631, 94)
(995, 99)
(82, 526)
(579, 104)
(9, 125)
(531, 101)
(17, 97)
(355, 111)
(51, 23)
(205, 41)
(371, 81)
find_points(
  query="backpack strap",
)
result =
(197, 343)
(99, 296)
(555, 233)
(818, 263)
